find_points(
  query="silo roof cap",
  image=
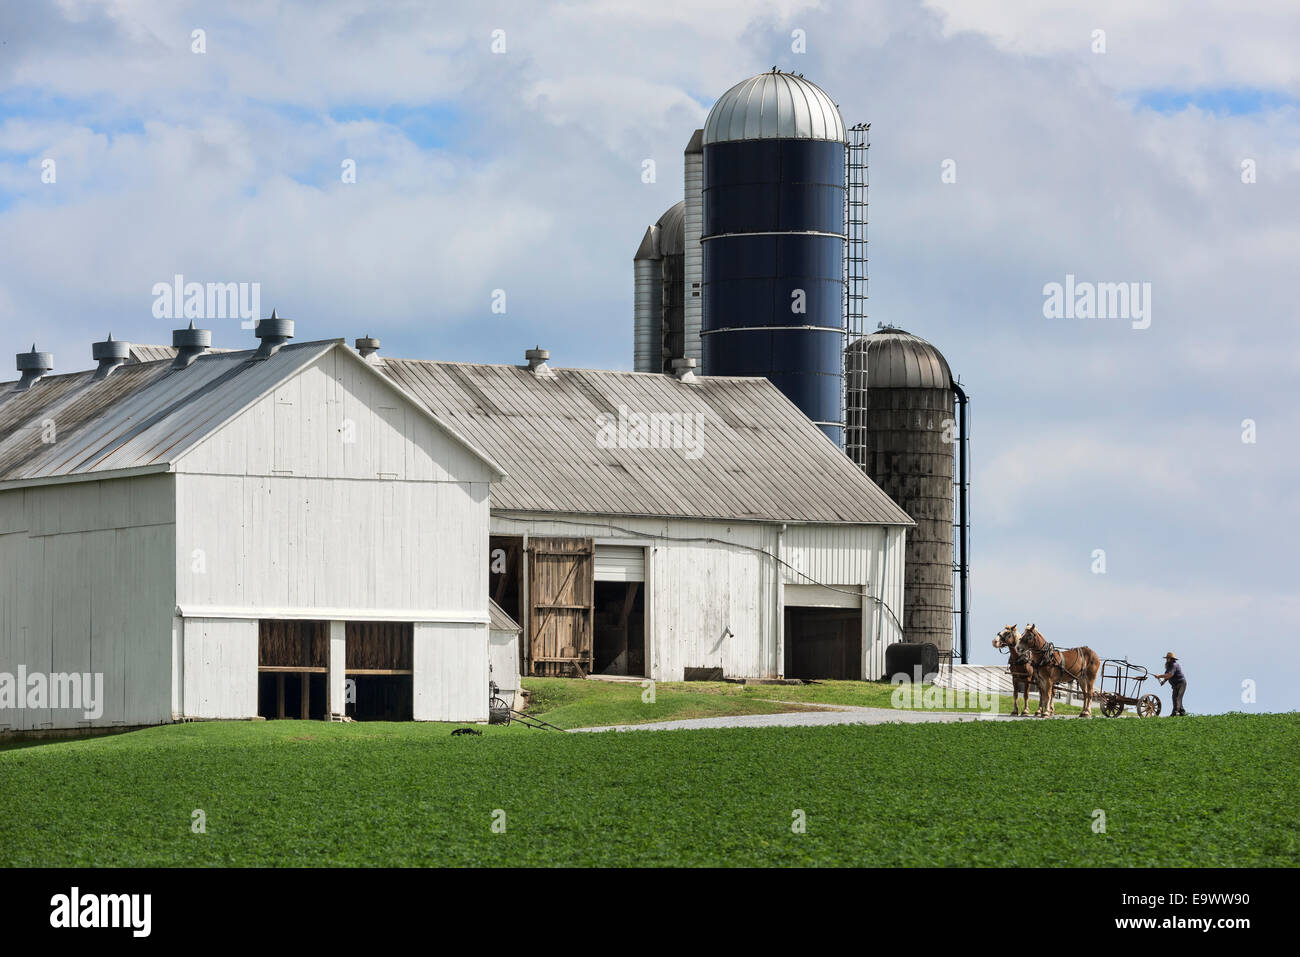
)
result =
(774, 106)
(672, 230)
(896, 359)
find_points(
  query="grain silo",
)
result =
(659, 299)
(773, 241)
(902, 431)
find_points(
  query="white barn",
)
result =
(271, 532)
(673, 527)
(301, 531)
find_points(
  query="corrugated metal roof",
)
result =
(761, 458)
(499, 620)
(142, 415)
(897, 360)
(774, 106)
(141, 352)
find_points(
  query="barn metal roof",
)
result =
(145, 415)
(141, 352)
(762, 459)
(498, 620)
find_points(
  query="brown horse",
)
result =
(1022, 669)
(1052, 665)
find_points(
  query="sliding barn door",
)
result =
(561, 593)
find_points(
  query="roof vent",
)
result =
(110, 354)
(684, 369)
(537, 357)
(32, 365)
(190, 344)
(367, 346)
(274, 333)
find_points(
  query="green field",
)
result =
(573, 703)
(1197, 791)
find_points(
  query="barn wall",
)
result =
(451, 672)
(319, 548)
(503, 654)
(339, 419)
(88, 585)
(334, 498)
(848, 557)
(219, 668)
(713, 580)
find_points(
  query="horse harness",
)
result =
(1056, 657)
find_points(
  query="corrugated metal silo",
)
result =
(658, 296)
(647, 302)
(901, 432)
(773, 241)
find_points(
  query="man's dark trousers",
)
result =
(1178, 690)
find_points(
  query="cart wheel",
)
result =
(498, 712)
(1112, 707)
(1148, 706)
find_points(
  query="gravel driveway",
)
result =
(801, 719)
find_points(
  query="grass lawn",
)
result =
(574, 703)
(1196, 791)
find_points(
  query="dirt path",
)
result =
(841, 714)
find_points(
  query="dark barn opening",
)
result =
(505, 572)
(292, 690)
(292, 669)
(620, 628)
(378, 659)
(823, 643)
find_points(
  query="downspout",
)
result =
(779, 606)
(963, 527)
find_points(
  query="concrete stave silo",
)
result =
(901, 430)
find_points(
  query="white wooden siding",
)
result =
(303, 545)
(336, 419)
(706, 579)
(503, 653)
(88, 585)
(450, 662)
(219, 665)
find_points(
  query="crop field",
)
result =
(1197, 791)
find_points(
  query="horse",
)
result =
(1051, 664)
(1022, 669)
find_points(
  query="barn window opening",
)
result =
(292, 669)
(823, 643)
(620, 628)
(378, 659)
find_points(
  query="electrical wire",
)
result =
(718, 541)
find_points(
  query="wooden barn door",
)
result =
(561, 593)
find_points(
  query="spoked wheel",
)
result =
(498, 711)
(1148, 706)
(1112, 707)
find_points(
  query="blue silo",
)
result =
(773, 241)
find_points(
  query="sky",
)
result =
(499, 148)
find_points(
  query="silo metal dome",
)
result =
(774, 106)
(672, 230)
(895, 359)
